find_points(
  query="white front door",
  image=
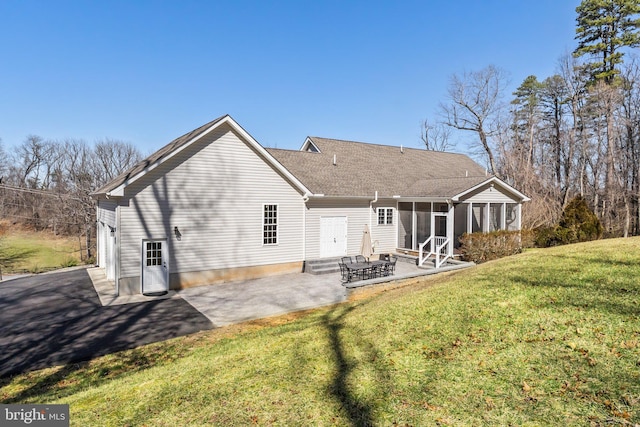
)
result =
(333, 236)
(155, 277)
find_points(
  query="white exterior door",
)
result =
(110, 255)
(333, 236)
(439, 224)
(155, 275)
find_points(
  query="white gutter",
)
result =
(375, 200)
(305, 199)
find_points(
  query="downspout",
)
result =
(305, 199)
(375, 200)
(117, 250)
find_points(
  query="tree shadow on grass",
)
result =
(358, 410)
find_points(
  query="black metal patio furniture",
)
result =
(391, 265)
(344, 272)
(361, 268)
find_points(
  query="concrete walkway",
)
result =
(107, 292)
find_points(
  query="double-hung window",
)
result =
(270, 224)
(385, 216)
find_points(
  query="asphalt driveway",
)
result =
(57, 318)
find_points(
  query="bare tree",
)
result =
(113, 157)
(4, 162)
(435, 136)
(474, 104)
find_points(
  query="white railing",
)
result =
(438, 246)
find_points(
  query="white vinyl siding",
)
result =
(384, 236)
(489, 194)
(106, 212)
(358, 213)
(214, 193)
(106, 219)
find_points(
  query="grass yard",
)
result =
(39, 251)
(548, 337)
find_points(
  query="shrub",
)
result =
(578, 224)
(481, 247)
(70, 262)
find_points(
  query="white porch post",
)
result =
(519, 216)
(414, 227)
(469, 218)
(486, 216)
(450, 228)
(503, 217)
(433, 228)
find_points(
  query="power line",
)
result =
(39, 192)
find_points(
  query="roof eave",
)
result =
(228, 120)
(497, 180)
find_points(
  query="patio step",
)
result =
(322, 266)
(408, 258)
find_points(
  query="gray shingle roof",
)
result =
(362, 169)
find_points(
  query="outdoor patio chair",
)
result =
(347, 260)
(360, 258)
(344, 271)
(367, 272)
(391, 266)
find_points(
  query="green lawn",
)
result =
(37, 252)
(548, 337)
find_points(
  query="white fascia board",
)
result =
(119, 191)
(323, 196)
(434, 199)
(494, 180)
(116, 192)
(307, 143)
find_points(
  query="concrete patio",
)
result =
(235, 302)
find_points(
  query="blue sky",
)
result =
(147, 72)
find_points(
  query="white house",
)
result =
(214, 205)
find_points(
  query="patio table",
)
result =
(368, 269)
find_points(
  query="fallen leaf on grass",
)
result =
(629, 344)
(623, 414)
(490, 404)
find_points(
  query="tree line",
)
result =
(46, 184)
(575, 133)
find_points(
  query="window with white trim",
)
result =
(270, 224)
(385, 216)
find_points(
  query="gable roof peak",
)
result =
(116, 186)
